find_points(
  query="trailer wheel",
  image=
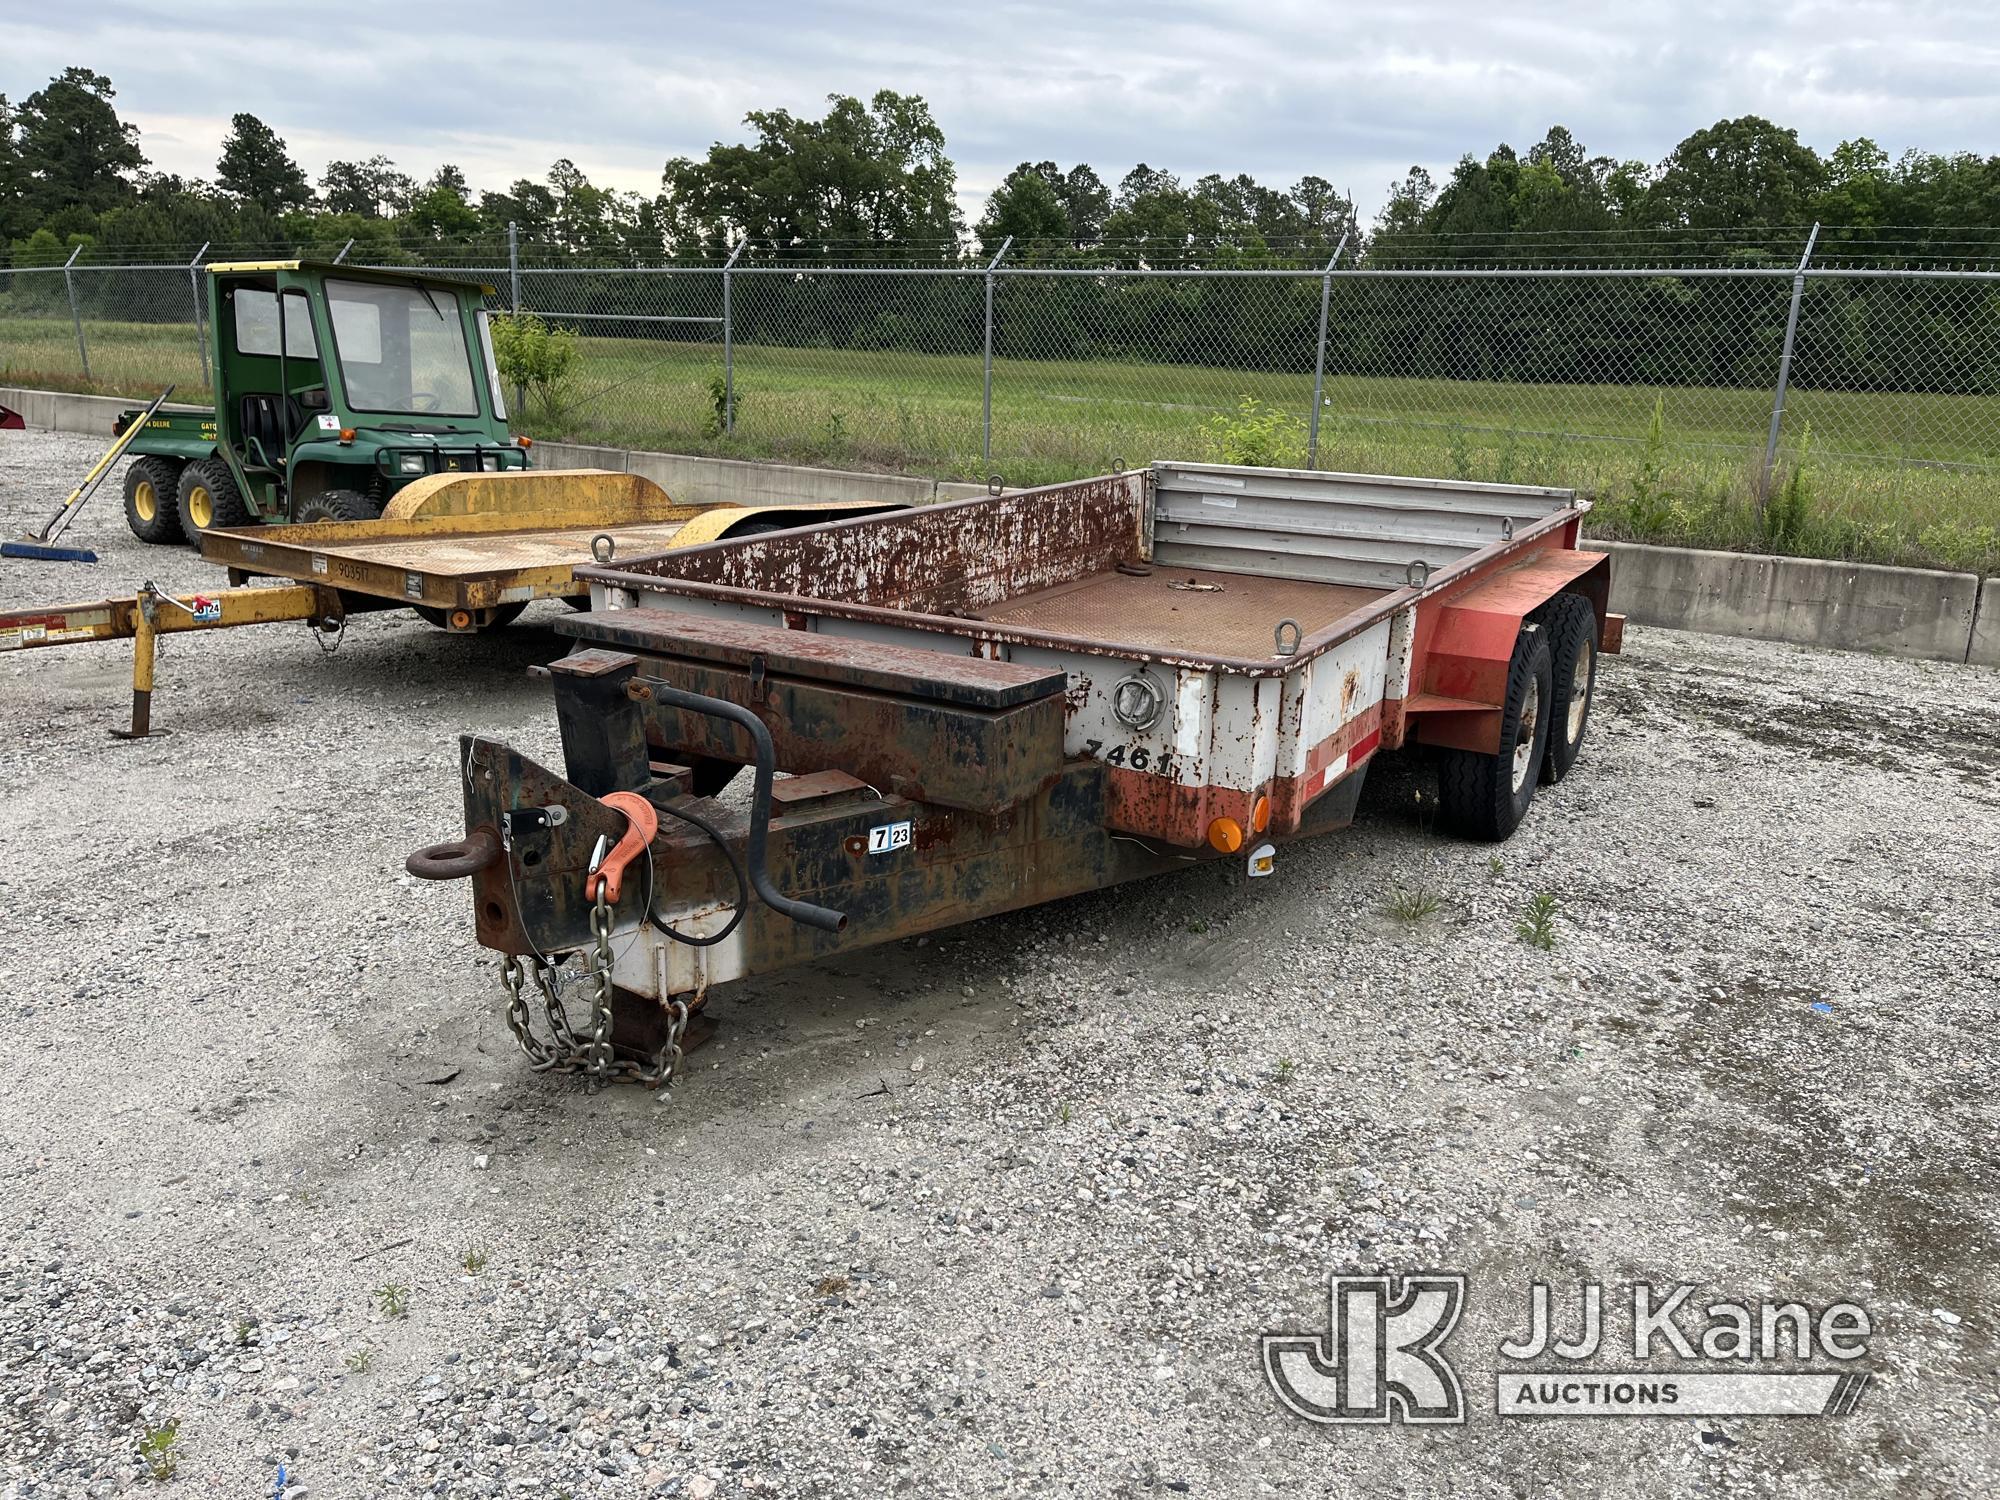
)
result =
(1572, 631)
(152, 500)
(1485, 796)
(208, 500)
(339, 505)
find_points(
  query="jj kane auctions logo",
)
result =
(1382, 1356)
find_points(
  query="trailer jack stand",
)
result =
(145, 659)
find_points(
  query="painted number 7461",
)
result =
(1133, 757)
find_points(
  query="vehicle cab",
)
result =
(338, 385)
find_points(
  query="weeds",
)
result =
(1458, 454)
(1538, 928)
(359, 1361)
(1496, 867)
(156, 1449)
(1063, 1112)
(394, 1300)
(724, 404)
(1285, 1071)
(1651, 503)
(1258, 434)
(1783, 518)
(475, 1260)
(1411, 904)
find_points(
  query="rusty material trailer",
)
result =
(986, 704)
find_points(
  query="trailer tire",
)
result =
(1485, 796)
(1572, 630)
(152, 500)
(208, 500)
(339, 505)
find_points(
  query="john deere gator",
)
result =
(336, 386)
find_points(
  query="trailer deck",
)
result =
(1191, 610)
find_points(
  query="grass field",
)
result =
(1888, 477)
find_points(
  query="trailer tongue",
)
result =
(986, 704)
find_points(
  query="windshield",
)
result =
(401, 350)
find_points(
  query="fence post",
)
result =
(200, 315)
(986, 399)
(514, 301)
(1784, 374)
(729, 341)
(1319, 359)
(76, 316)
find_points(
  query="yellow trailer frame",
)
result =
(464, 548)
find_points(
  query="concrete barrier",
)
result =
(1985, 648)
(60, 411)
(696, 480)
(1849, 606)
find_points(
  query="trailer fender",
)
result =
(723, 521)
(1470, 642)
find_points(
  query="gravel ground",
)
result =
(1000, 1212)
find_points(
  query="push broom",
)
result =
(41, 545)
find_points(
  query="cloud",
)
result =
(1353, 93)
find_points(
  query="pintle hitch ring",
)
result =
(457, 860)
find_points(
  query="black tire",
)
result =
(152, 500)
(208, 500)
(339, 505)
(1572, 630)
(1485, 796)
(503, 616)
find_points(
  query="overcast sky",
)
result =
(1355, 92)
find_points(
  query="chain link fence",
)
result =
(1846, 409)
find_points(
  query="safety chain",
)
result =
(587, 1051)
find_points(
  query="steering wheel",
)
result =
(426, 400)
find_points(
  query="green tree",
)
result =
(255, 168)
(1744, 173)
(441, 211)
(1085, 199)
(1325, 214)
(874, 173)
(374, 189)
(1026, 206)
(13, 178)
(1156, 217)
(1408, 204)
(75, 153)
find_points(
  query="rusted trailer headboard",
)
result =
(948, 559)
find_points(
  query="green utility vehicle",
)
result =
(368, 381)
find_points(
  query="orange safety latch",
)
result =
(642, 821)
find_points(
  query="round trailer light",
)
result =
(1260, 815)
(1138, 701)
(461, 619)
(1225, 835)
